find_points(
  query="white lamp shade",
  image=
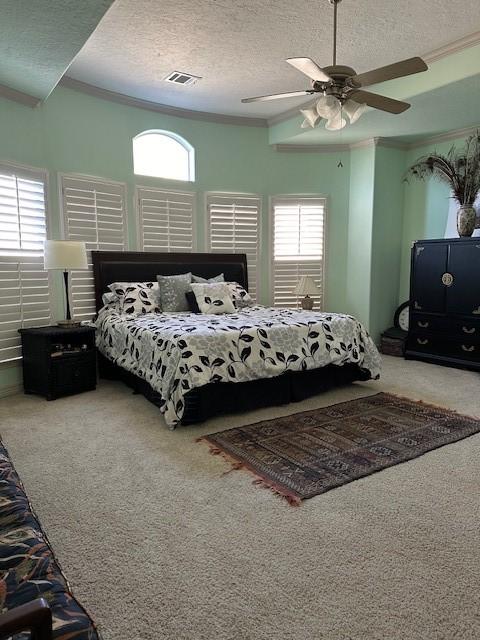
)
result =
(328, 107)
(65, 254)
(306, 287)
(336, 123)
(354, 110)
(311, 116)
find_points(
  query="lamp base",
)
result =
(307, 303)
(69, 324)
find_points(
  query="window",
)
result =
(94, 212)
(162, 154)
(298, 246)
(233, 227)
(165, 219)
(24, 284)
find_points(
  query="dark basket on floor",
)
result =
(392, 342)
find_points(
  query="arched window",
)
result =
(163, 154)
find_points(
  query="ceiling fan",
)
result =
(341, 88)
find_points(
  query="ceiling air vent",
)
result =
(178, 77)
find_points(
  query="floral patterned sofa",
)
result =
(35, 599)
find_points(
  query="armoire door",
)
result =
(463, 295)
(429, 264)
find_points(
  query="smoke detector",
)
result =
(179, 77)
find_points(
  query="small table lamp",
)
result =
(306, 287)
(65, 255)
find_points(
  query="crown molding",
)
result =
(121, 98)
(453, 47)
(364, 144)
(18, 96)
(328, 148)
(310, 148)
(444, 137)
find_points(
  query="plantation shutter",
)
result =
(298, 246)
(24, 284)
(94, 212)
(233, 227)
(166, 219)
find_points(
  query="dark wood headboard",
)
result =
(139, 266)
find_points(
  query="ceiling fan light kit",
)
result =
(341, 88)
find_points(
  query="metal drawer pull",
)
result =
(447, 279)
(465, 330)
(424, 325)
(420, 341)
(471, 348)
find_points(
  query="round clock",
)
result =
(400, 319)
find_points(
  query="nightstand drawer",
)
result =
(73, 371)
(71, 375)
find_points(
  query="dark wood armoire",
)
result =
(445, 302)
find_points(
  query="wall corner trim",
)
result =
(18, 96)
(11, 390)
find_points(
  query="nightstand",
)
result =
(58, 361)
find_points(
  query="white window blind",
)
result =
(298, 246)
(94, 212)
(233, 227)
(165, 219)
(24, 284)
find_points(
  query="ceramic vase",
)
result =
(466, 216)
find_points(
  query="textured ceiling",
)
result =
(40, 38)
(239, 46)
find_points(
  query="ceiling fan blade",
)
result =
(391, 71)
(309, 68)
(379, 102)
(277, 96)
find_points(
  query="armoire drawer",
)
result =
(428, 322)
(466, 328)
(441, 345)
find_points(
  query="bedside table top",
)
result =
(56, 331)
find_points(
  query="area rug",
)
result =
(305, 454)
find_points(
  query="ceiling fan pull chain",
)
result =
(335, 7)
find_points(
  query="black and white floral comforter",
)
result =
(177, 352)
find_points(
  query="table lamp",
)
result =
(306, 287)
(65, 255)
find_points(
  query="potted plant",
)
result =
(460, 169)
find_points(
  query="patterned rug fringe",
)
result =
(236, 465)
(434, 407)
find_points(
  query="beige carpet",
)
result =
(157, 543)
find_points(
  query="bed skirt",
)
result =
(236, 397)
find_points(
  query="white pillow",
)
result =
(240, 296)
(219, 278)
(213, 297)
(137, 297)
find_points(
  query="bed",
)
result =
(195, 366)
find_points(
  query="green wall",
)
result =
(425, 212)
(375, 234)
(372, 217)
(359, 247)
(387, 225)
(79, 133)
